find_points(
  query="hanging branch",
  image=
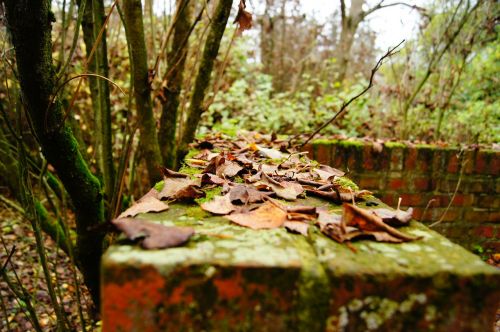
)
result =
(344, 106)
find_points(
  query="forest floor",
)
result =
(17, 231)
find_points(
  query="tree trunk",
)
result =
(92, 22)
(218, 25)
(350, 23)
(29, 22)
(174, 78)
(134, 29)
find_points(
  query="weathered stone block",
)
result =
(230, 278)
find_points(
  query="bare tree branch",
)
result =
(344, 106)
(342, 9)
(381, 5)
(4, 267)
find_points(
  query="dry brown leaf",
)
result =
(331, 170)
(243, 18)
(268, 215)
(366, 220)
(180, 189)
(324, 175)
(243, 194)
(214, 164)
(208, 178)
(146, 204)
(154, 235)
(285, 189)
(219, 205)
(395, 217)
(228, 169)
(168, 173)
(270, 153)
(296, 227)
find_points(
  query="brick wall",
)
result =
(421, 173)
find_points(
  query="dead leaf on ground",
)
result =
(146, 204)
(367, 220)
(153, 235)
(285, 189)
(219, 205)
(244, 194)
(268, 215)
(395, 217)
(296, 227)
(228, 169)
(180, 188)
(331, 170)
(207, 178)
(270, 153)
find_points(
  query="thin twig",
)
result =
(452, 197)
(344, 106)
(4, 267)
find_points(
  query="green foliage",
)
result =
(459, 102)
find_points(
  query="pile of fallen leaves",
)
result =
(257, 175)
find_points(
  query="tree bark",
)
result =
(350, 23)
(92, 22)
(210, 51)
(174, 78)
(29, 22)
(134, 29)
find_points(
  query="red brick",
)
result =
(322, 153)
(422, 184)
(495, 165)
(411, 159)
(477, 215)
(481, 162)
(413, 200)
(494, 216)
(397, 159)
(389, 199)
(494, 246)
(310, 149)
(453, 163)
(424, 159)
(463, 200)
(487, 201)
(369, 182)
(446, 215)
(441, 200)
(484, 231)
(368, 158)
(468, 161)
(396, 184)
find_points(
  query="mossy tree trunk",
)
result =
(92, 22)
(210, 51)
(174, 77)
(29, 22)
(134, 29)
